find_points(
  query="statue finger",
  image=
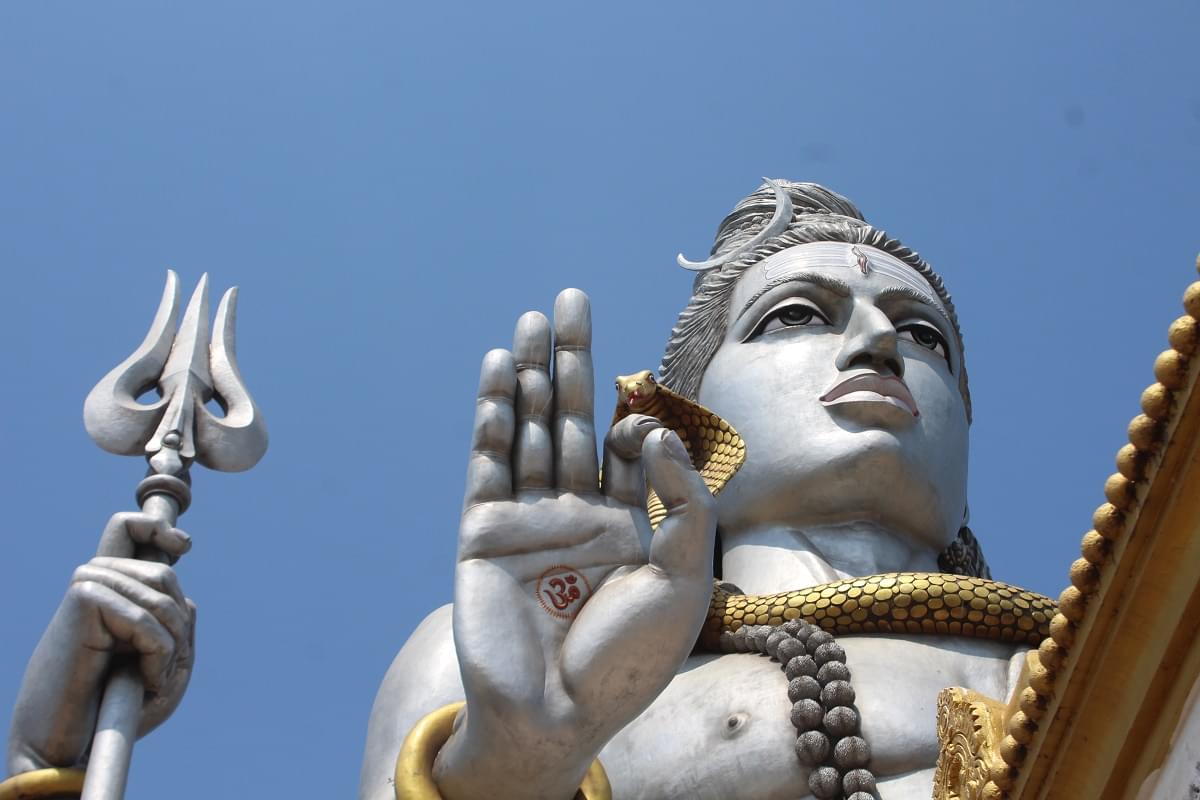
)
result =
(127, 530)
(185, 651)
(191, 607)
(157, 576)
(489, 473)
(533, 450)
(574, 429)
(623, 478)
(128, 622)
(683, 542)
(170, 613)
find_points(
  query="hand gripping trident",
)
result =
(171, 432)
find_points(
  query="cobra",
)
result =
(902, 602)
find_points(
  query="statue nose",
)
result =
(884, 366)
(871, 343)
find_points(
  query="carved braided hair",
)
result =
(818, 215)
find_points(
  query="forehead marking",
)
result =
(863, 262)
(832, 255)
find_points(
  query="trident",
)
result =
(171, 432)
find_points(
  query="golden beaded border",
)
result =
(1137, 466)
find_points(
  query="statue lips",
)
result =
(872, 387)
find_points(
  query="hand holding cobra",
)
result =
(568, 618)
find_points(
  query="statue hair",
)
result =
(819, 215)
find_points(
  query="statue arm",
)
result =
(567, 620)
(424, 676)
(113, 601)
(54, 710)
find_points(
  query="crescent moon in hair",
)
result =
(778, 224)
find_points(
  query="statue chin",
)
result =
(866, 477)
(808, 463)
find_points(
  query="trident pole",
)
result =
(187, 369)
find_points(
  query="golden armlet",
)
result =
(42, 783)
(414, 766)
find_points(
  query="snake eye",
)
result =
(650, 378)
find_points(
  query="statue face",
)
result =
(840, 371)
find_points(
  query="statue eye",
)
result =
(795, 315)
(926, 336)
(790, 315)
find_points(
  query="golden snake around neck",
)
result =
(897, 602)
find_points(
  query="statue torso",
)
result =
(721, 728)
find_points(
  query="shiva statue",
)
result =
(588, 651)
(835, 353)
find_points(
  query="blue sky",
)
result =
(392, 185)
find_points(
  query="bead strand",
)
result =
(828, 742)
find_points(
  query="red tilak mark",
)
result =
(562, 591)
(863, 263)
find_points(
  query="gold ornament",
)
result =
(52, 782)
(414, 765)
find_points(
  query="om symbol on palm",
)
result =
(562, 591)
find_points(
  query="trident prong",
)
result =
(235, 442)
(188, 371)
(173, 431)
(111, 413)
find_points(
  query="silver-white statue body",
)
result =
(720, 729)
(868, 481)
(839, 363)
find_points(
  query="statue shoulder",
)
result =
(422, 677)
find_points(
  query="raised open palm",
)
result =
(568, 618)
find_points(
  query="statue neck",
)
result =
(778, 559)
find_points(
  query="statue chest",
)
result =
(721, 729)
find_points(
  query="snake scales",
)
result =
(901, 602)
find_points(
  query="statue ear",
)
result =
(964, 556)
